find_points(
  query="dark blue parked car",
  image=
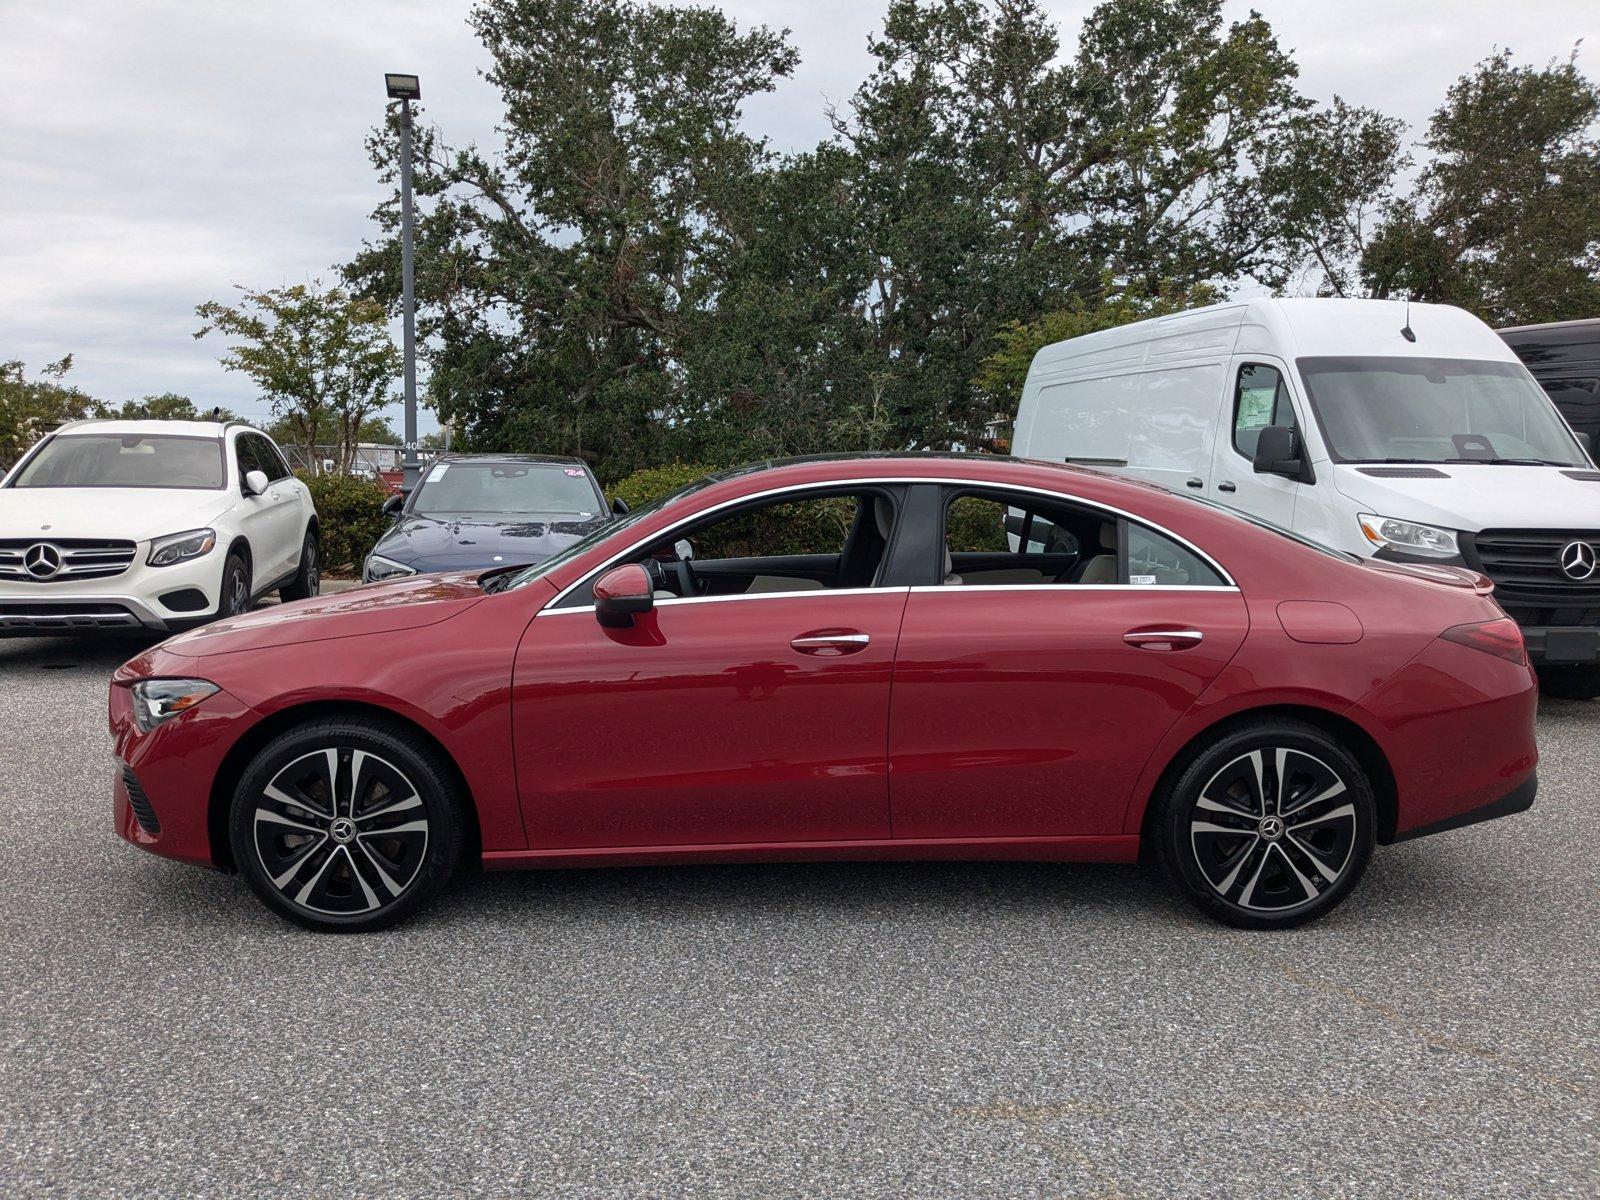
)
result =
(488, 510)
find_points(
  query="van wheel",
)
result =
(1268, 828)
(1570, 683)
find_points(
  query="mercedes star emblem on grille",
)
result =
(1578, 560)
(44, 560)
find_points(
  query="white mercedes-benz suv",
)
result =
(158, 525)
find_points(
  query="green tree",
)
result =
(31, 408)
(373, 429)
(1505, 218)
(169, 406)
(323, 359)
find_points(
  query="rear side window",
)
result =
(1259, 399)
(1155, 560)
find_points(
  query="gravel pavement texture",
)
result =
(961, 1030)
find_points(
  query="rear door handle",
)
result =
(1194, 483)
(1227, 485)
(1163, 639)
(830, 643)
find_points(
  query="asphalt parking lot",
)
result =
(860, 1030)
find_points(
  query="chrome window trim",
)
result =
(827, 485)
(808, 594)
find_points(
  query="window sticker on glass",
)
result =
(1142, 580)
(575, 472)
(438, 472)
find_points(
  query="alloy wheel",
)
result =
(1274, 829)
(340, 832)
(313, 568)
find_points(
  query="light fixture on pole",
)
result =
(406, 88)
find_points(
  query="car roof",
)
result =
(151, 428)
(555, 460)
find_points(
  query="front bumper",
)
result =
(140, 599)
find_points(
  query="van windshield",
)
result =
(1436, 410)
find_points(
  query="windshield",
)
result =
(113, 460)
(593, 539)
(1435, 410)
(461, 488)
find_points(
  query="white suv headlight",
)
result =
(158, 700)
(1409, 537)
(181, 547)
(379, 567)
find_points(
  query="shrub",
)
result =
(350, 514)
(652, 483)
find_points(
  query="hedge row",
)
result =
(350, 514)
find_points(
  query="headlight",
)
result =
(1409, 537)
(379, 567)
(158, 700)
(181, 547)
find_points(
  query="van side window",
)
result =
(1259, 399)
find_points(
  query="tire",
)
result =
(1570, 683)
(1241, 862)
(307, 581)
(234, 598)
(379, 853)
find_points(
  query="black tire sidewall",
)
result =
(433, 783)
(1171, 827)
(300, 587)
(235, 561)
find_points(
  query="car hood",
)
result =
(138, 514)
(411, 602)
(1474, 498)
(428, 543)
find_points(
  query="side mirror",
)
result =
(1278, 452)
(619, 506)
(393, 505)
(255, 483)
(621, 594)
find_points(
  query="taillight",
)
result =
(1501, 638)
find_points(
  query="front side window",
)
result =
(111, 460)
(1260, 399)
(452, 489)
(267, 455)
(1435, 410)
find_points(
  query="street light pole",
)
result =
(407, 88)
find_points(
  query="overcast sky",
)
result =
(154, 153)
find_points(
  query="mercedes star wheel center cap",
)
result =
(1270, 828)
(342, 830)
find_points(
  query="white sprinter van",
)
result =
(1405, 432)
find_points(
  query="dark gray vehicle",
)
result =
(472, 511)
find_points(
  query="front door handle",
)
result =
(1194, 483)
(830, 643)
(1227, 485)
(1163, 639)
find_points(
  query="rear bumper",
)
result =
(1518, 799)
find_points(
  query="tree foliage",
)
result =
(31, 408)
(322, 359)
(1505, 219)
(636, 278)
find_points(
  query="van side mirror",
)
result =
(1278, 452)
(393, 505)
(619, 506)
(621, 594)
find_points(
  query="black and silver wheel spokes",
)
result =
(340, 831)
(1273, 829)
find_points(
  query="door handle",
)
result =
(1163, 639)
(1194, 483)
(1227, 485)
(830, 643)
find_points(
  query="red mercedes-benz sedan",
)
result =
(893, 657)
